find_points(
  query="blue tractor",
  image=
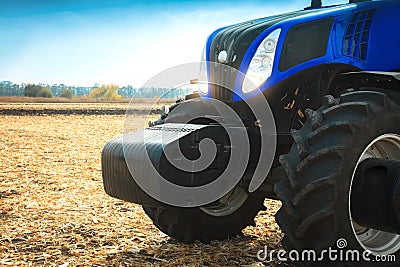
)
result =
(331, 76)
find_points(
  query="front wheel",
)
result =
(321, 165)
(222, 219)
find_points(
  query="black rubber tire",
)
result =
(190, 224)
(320, 165)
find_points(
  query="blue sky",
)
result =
(124, 42)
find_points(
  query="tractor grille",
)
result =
(221, 76)
(357, 34)
(222, 82)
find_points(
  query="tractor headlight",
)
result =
(202, 79)
(260, 68)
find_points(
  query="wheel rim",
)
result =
(378, 242)
(228, 204)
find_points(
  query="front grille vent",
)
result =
(357, 34)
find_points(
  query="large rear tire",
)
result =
(316, 195)
(217, 221)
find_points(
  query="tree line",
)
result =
(102, 92)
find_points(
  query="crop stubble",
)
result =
(53, 209)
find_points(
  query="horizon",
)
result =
(120, 42)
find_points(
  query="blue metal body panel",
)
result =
(383, 52)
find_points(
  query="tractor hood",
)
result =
(239, 42)
(236, 40)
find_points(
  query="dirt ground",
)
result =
(22, 109)
(54, 212)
